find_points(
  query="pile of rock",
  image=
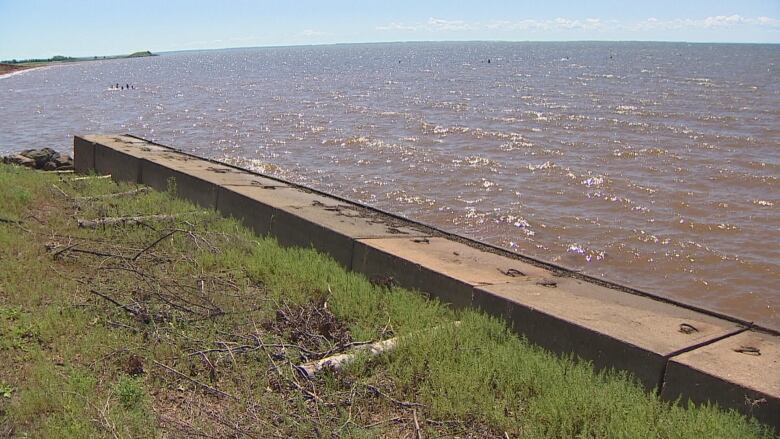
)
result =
(46, 159)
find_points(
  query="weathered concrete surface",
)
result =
(241, 203)
(299, 218)
(608, 327)
(740, 372)
(120, 156)
(440, 267)
(130, 159)
(193, 179)
(332, 231)
(257, 205)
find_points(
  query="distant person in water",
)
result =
(127, 86)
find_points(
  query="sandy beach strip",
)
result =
(7, 70)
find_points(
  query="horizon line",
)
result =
(272, 46)
(269, 46)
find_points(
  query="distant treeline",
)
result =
(52, 59)
(60, 58)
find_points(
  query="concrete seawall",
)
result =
(672, 349)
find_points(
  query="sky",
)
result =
(44, 28)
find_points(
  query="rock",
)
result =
(63, 161)
(44, 158)
(18, 159)
(41, 156)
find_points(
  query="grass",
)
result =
(192, 328)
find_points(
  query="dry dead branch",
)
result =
(338, 361)
(133, 192)
(210, 389)
(90, 177)
(123, 221)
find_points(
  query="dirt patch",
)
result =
(10, 68)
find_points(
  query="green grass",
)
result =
(78, 365)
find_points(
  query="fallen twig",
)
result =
(416, 424)
(182, 425)
(213, 390)
(130, 310)
(90, 177)
(73, 249)
(122, 221)
(406, 404)
(137, 255)
(140, 190)
(384, 421)
(62, 192)
(16, 223)
(242, 349)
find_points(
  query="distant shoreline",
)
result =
(13, 68)
(7, 67)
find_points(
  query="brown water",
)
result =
(655, 165)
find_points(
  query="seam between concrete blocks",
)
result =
(668, 357)
(94, 148)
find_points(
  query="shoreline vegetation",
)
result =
(10, 66)
(126, 312)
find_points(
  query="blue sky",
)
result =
(42, 28)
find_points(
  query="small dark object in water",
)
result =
(488, 60)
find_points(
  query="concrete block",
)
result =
(332, 229)
(126, 144)
(83, 155)
(196, 180)
(445, 269)
(608, 327)
(121, 166)
(176, 176)
(120, 156)
(242, 203)
(216, 173)
(741, 372)
(296, 217)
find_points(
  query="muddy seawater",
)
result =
(654, 165)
